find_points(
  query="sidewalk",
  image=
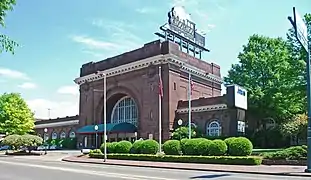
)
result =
(262, 169)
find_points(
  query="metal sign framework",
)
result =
(180, 31)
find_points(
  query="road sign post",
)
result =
(301, 31)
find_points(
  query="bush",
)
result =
(28, 141)
(95, 152)
(232, 160)
(149, 147)
(111, 147)
(217, 148)
(203, 147)
(291, 153)
(172, 147)
(239, 146)
(123, 147)
(136, 148)
(191, 146)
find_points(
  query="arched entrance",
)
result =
(125, 110)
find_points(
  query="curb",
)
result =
(189, 169)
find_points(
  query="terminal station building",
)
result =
(132, 98)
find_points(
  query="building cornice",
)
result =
(155, 60)
(57, 124)
(215, 107)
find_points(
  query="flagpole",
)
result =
(189, 104)
(160, 108)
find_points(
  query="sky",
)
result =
(57, 37)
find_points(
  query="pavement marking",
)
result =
(90, 172)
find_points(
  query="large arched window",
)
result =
(125, 110)
(213, 128)
(54, 135)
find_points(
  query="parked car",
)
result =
(2, 148)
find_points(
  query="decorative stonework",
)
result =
(160, 59)
(57, 124)
(215, 107)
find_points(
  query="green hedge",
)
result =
(239, 146)
(291, 153)
(136, 148)
(232, 160)
(172, 147)
(123, 147)
(149, 147)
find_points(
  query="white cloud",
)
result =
(94, 43)
(57, 108)
(28, 85)
(9, 73)
(146, 10)
(72, 90)
(119, 38)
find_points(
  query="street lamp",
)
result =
(45, 131)
(96, 129)
(105, 112)
(179, 122)
(135, 134)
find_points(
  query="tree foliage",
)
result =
(28, 141)
(15, 115)
(6, 44)
(297, 126)
(266, 70)
(183, 133)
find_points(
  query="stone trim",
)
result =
(159, 59)
(57, 124)
(215, 107)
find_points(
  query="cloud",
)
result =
(146, 10)
(9, 73)
(57, 108)
(93, 43)
(72, 90)
(28, 85)
(119, 36)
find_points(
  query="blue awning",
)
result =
(111, 128)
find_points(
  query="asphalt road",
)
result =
(35, 169)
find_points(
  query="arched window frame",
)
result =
(54, 135)
(128, 113)
(72, 134)
(63, 135)
(212, 130)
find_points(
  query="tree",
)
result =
(266, 70)
(6, 44)
(299, 56)
(296, 127)
(15, 115)
(182, 133)
(28, 141)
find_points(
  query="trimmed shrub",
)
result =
(136, 148)
(111, 147)
(149, 147)
(172, 147)
(232, 160)
(191, 146)
(239, 146)
(217, 148)
(291, 153)
(123, 147)
(203, 147)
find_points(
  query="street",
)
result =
(13, 168)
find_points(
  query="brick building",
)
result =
(132, 81)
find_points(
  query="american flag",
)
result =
(160, 86)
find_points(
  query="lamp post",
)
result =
(179, 122)
(96, 129)
(44, 138)
(135, 134)
(105, 112)
(301, 31)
